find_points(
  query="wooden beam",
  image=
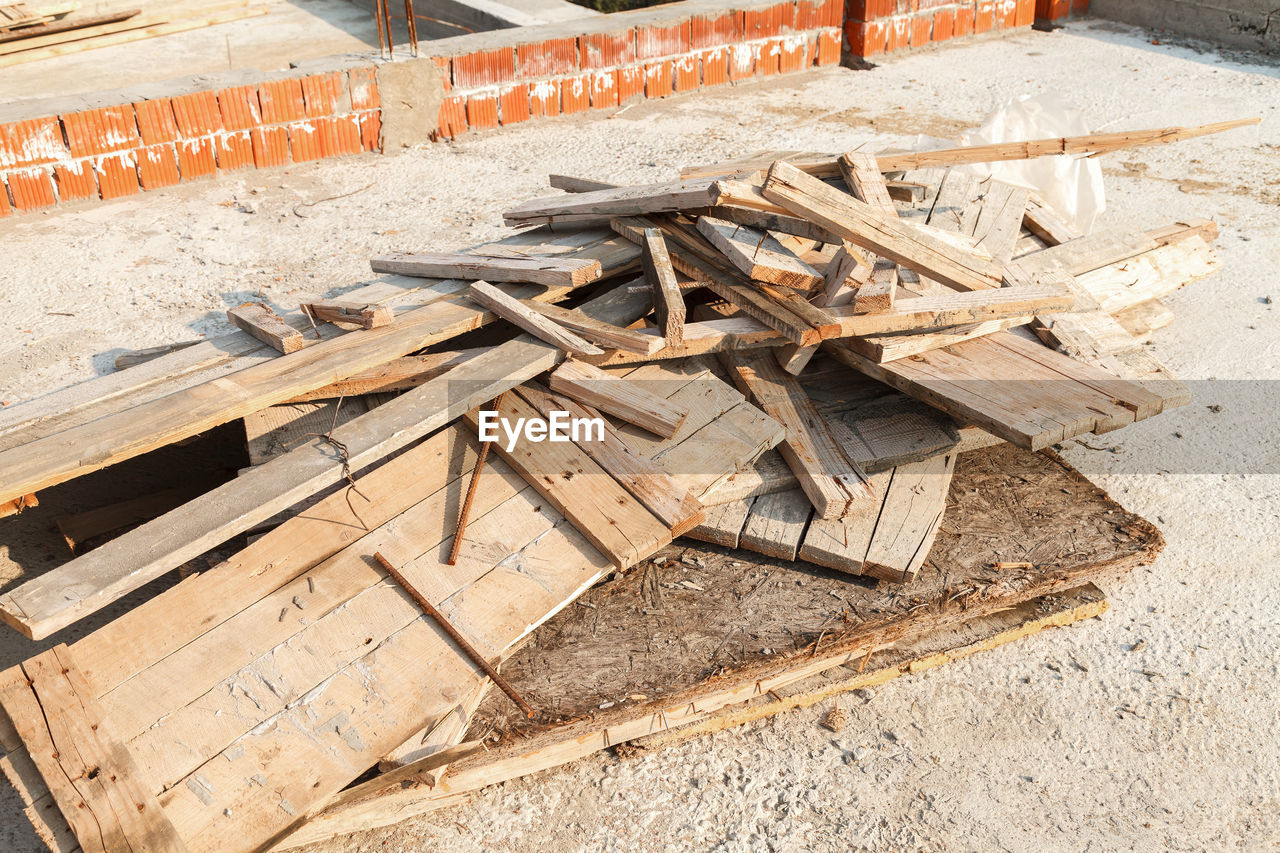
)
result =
(832, 483)
(571, 184)
(520, 315)
(265, 325)
(399, 374)
(757, 255)
(668, 301)
(619, 201)
(598, 389)
(602, 334)
(864, 226)
(781, 223)
(553, 272)
(364, 315)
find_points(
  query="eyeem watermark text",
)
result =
(559, 426)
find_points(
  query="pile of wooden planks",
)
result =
(833, 371)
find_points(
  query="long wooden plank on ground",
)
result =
(555, 272)
(82, 586)
(832, 483)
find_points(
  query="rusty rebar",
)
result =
(412, 21)
(386, 17)
(465, 512)
(453, 633)
(377, 16)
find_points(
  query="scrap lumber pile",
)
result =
(825, 376)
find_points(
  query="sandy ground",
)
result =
(1152, 728)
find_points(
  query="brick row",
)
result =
(875, 27)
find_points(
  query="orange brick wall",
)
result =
(876, 27)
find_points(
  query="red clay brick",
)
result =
(31, 142)
(1026, 14)
(867, 39)
(1079, 7)
(76, 181)
(742, 62)
(452, 119)
(963, 24)
(652, 42)
(197, 114)
(605, 50)
(197, 157)
(304, 141)
(363, 83)
(117, 175)
(944, 23)
(32, 189)
(5, 209)
(715, 66)
(604, 89)
(630, 83)
(773, 21)
(321, 93)
(547, 58)
(156, 121)
(899, 34)
(270, 147)
(767, 56)
(715, 31)
(575, 94)
(281, 101)
(920, 30)
(340, 135)
(831, 13)
(870, 10)
(659, 79)
(688, 73)
(157, 166)
(371, 130)
(818, 14)
(828, 52)
(544, 98)
(484, 68)
(984, 17)
(513, 104)
(793, 54)
(240, 108)
(233, 150)
(101, 131)
(482, 112)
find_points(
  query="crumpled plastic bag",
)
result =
(1071, 184)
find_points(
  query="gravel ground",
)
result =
(1165, 740)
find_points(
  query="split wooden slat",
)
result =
(602, 334)
(668, 302)
(830, 480)
(364, 315)
(758, 255)
(884, 348)
(723, 523)
(776, 524)
(624, 399)
(774, 222)
(553, 272)
(618, 201)
(523, 317)
(265, 325)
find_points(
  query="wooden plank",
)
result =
(601, 334)
(778, 223)
(571, 184)
(553, 272)
(914, 501)
(630, 401)
(87, 583)
(399, 374)
(883, 348)
(81, 526)
(68, 738)
(1046, 223)
(847, 271)
(1152, 275)
(601, 509)
(668, 302)
(619, 201)
(265, 325)
(648, 483)
(1144, 318)
(723, 523)
(19, 504)
(864, 226)
(361, 314)
(863, 177)
(776, 524)
(521, 316)
(757, 255)
(830, 480)
(79, 22)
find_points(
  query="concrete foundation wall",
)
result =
(1248, 24)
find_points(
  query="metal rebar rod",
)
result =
(377, 15)
(465, 512)
(413, 26)
(386, 16)
(453, 633)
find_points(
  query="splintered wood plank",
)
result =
(776, 524)
(997, 219)
(265, 325)
(830, 480)
(865, 181)
(618, 201)
(668, 301)
(630, 401)
(601, 509)
(861, 224)
(95, 781)
(570, 184)
(846, 272)
(520, 315)
(1046, 223)
(87, 583)
(1152, 275)
(1144, 318)
(601, 334)
(758, 255)
(653, 487)
(780, 223)
(554, 272)
(399, 374)
(723, 524)
(361, 314)
(882, 348)
(78, 528)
